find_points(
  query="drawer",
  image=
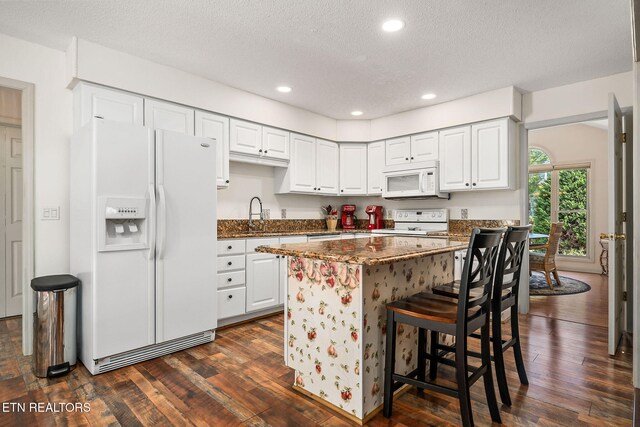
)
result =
(233, 278)
(293, 239)
(231, 247)
(231, 302)
(231, 262)
(252, 244)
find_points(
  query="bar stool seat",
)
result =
(428, 306)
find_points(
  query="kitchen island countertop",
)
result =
(370, 251)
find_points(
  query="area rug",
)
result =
(538, 286)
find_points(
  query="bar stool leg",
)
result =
(498, 357)
(389, 364)
(517, 351)
(422, 357)
(462, 378)
(488, 377)
(433, 364)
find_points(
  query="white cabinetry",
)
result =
(375, 165)
(353, 169)
(398, 151)
(217, 127)
(313, 169)
(480, 156)
(254, 143)
(93, 101)
(263, 281)
(231, 278)
(167, 116)
(412, 149)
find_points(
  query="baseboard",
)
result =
(231, 321)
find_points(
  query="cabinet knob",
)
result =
(406, 158)
(314, 188)
(474, 184)
(342, 191)
(230, 296)
(229, 247)
(98, 117)
(230, 279)
(277, 256)
(411, 158)
(260, 150)
(265, 151)
(467, 184)
(227, 181)
(229, 263)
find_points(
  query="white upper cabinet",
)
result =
(480, 156)
(375, 165)
(398, 151)
(455, 159)
(327, 167)
(424, 147)
(303, 164)
(493, 155)
(353, 169)
(167, 116)
(217, 127)
(275, 143)
(108, 104)
(245, 137)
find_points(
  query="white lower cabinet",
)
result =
(263, 281)
(231, 302)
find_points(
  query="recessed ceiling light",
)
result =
(356, 113)
(428, 96)
(392, 25)
(283, 89)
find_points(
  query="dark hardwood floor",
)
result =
(240, 379)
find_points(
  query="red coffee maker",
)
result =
(349, 217)
(376, 220)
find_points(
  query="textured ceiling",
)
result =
(333, 53)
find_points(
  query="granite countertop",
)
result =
(257, 234)
(371, 251)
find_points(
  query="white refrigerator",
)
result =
(143, 242)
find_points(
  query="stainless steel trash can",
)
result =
(54, 335)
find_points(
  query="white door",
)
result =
(303, 163)
(275, 143)
(398, 151)
(327, 167)
(490, 155)
(11, 291)
(108, 104)
(353, 169)
(263, 281)
(424, 147)
(375, 165)
(166, 116)
(186, 242)
(246, 138)
(455, 158)
(616, 245)
(217, 127)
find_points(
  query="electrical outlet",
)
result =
(464, 213)
(266, 213)
(51, 213)
(283, 213)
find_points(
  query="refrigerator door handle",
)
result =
(152, 222)
(162, 229)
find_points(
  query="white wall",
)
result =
(248, 180)
(573, 144)
(45, 68)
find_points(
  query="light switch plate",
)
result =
(283, 213)
(464, 213)
(51, 213)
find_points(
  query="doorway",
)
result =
(11, 191)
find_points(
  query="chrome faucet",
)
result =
(252, 225)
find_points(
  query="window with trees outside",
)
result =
(560, 193)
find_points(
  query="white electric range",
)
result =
(418, 222)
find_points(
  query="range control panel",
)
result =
(422, 215)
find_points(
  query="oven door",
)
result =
(409, 183)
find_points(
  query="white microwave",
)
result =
(415, 181)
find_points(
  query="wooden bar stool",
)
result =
(504, 296)
(459, 317)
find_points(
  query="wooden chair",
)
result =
(459, 317)
(504, 297)
(546, 262)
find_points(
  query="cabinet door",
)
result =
(353, 169)
(167, 116)
(455, 159)
(246, 138)
(275, 143)
(398, 151)
(327, 167)
(424, 147)
(91, 101)
(263, 281)
(375, 165)
(490, 155)
(217, 127)
(303, 163)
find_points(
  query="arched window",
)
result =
(538, 156)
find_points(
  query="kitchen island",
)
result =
(335, 312)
